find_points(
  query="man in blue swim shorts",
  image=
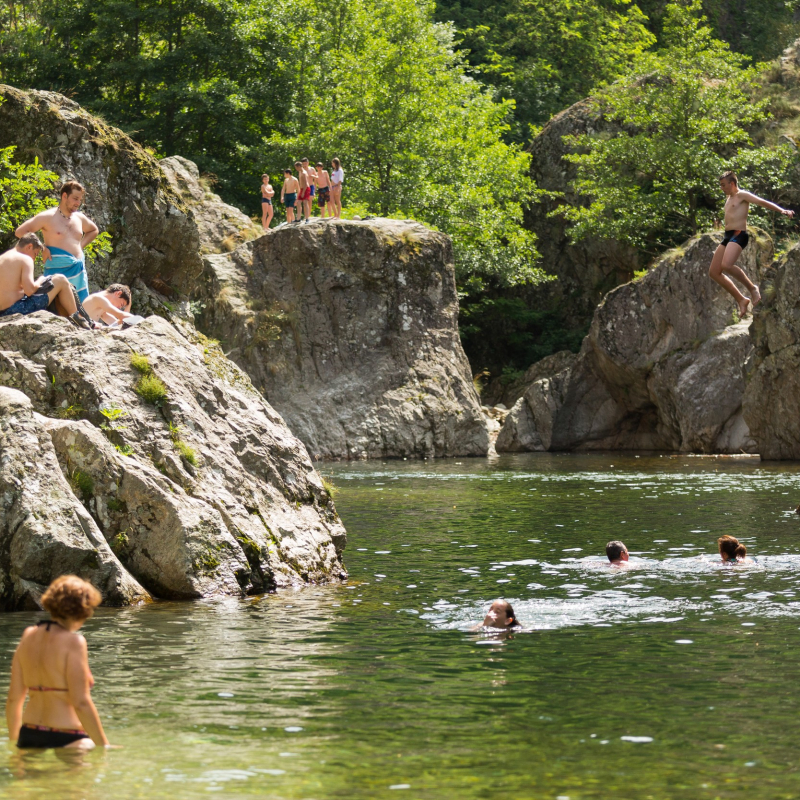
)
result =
(66, 232)
(723, 265)
(21, 294)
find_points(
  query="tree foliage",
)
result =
(683, 114)
(22, 187)
(420, 138)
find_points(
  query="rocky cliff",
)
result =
(168, 456)
(350, 330)
(772, 398)
(663, 367)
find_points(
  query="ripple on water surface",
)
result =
(379, 686)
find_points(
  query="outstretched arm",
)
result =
(760, 201)
(90, 230)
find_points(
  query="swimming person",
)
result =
(289, 193)
(723, 264)
(500, 615)
(267, 193)
(66, 232)
(617, 553)
(731, 549)
(51, 667)
(337, 180)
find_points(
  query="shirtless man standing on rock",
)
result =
(737, 206)
(66, 232)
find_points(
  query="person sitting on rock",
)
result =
(731, 550)
(617, 553)
(21, 294)
(723, 264)
(500, 615)
(51, 667)
(111, 305)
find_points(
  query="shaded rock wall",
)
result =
(663, 367)
(203, 491)
(772, 398)
(350, 330)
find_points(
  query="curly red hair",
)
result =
(71, 597)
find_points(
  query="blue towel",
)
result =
(71, 267)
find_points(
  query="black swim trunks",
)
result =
(737, 237)
(42, 736)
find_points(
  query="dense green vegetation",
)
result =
(430, 106)
(243, 87)
(547, 54)
(686, 110)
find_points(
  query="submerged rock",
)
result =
(194, 481)
(44, 530)
(663, 367)
(350, 330)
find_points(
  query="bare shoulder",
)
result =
(747, 197)
(76, 643)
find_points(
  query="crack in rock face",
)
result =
(197, 490)
(351, 331)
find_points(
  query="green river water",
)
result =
(677, 678)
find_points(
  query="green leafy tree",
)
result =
(22, 187)
(419, 137)
(684, 114)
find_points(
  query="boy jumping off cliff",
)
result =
(737, 206)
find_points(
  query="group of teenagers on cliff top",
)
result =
(63, 287)
(50, 667)
(297, 194)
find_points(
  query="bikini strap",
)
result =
(48, 623)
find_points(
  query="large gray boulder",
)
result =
(221, 227)
(771, 406)
(351, 331)
(663, 367)
(198, 486)
(44, 530)
(127, 194)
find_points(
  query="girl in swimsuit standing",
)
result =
(337, 179)
(267, 193)
(51, 667)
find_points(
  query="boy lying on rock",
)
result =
(112, 305)
(21, 294)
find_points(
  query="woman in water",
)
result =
(731, 549)
(500, 615)
(51, 666)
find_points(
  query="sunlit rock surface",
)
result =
(204, 492)
(351, 331)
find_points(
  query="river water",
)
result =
(676, 678)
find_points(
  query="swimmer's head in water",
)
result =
(616, 551)
(500, 615)
(71, 598)
(730, 548)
